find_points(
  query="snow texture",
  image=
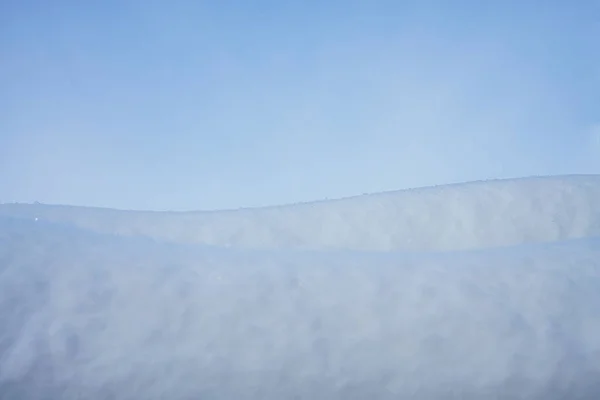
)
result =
(453, 217)
(87, 311)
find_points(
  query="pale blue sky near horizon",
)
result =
(187, 105)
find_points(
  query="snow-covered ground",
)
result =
(454, 217)
(487, 290)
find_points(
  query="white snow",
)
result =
(87, 315)
(454, 217)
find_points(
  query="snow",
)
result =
(485, 290)
(453, 217)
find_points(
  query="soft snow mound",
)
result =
(84, 316)
(453, 217)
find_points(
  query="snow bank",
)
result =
(453, 217)
(86, 315)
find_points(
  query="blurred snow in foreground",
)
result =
(295, 309)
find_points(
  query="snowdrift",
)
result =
(453, 217)
(88, 312)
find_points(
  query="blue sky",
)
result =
(207, 105)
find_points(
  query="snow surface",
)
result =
(453, 217)
(87, 313)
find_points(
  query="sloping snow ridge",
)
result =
(453, 217)
(88, 311)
